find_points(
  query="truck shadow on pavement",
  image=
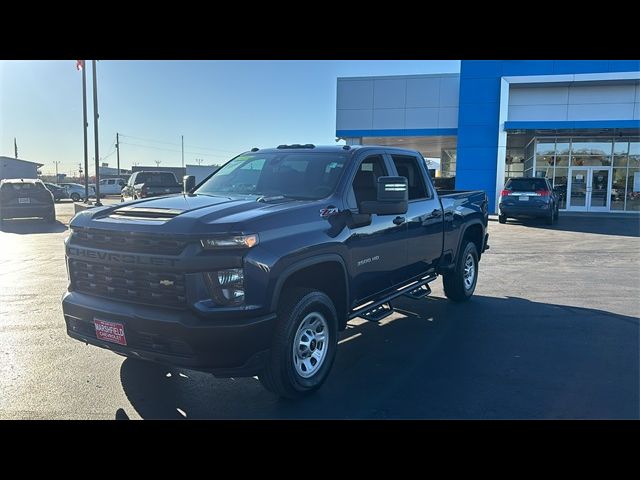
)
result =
(488, 358)
(29, 226)
(627, 227)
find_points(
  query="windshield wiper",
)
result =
(280, 196)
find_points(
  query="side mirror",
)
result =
(188, 183)
(392, 197)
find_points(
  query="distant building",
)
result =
(108, 172)
(17, 168)
(201, 171)
(179, 172)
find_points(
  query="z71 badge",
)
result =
(327, 212)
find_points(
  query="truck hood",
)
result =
(182, 214)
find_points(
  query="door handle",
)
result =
(398, 220)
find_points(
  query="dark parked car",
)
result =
(528, 197)
(58, 192)
(256, 270)
(150, 184)
(26, 198)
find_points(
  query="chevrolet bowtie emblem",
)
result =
(166, 283)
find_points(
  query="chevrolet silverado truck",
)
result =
(145, 184)
(254, 271)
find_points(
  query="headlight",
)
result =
(236, 241)
(226, 286)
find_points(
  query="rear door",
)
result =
(424, 217)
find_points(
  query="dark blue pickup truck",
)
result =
(255, 270)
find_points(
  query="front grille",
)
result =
(130, 284)
(128, 241)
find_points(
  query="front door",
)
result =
(589, 189)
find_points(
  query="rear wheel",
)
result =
(551, 218)
(304, 344)
(502, 218)
(75, 197)
(460, 284)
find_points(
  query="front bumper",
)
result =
(225, 347)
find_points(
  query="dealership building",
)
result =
(576, 122)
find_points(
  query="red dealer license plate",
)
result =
(110, 331)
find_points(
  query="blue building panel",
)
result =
(570, 125)
(526, 67)
(481, 114)
(579, 66)
(624, 65)
(478, 90)
(402, 132)
(482, 69)
(478, 135)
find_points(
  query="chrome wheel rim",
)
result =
(310, 344)
(469, 271)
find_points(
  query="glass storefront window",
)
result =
(562, 161)
(545, 147)
(633, 190)
(528, 151)
(592, 147)
(590, 161)
(634, 154)
(621, 147)
(560, 185)
(562, 146)
(618, 186)
(620, 160)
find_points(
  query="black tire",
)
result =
(280, 375)
(75, 197)
(502, 218)
(455, 287)
(550, 219)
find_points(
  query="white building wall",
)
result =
(397, 103)
(574, 102)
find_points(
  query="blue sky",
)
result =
(221, 107)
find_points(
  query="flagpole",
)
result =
(95, 132)
(85, 124)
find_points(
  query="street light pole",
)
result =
(118, 151)
(182, 136)
(85, 124)
(95, 131)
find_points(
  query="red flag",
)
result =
(79, 64)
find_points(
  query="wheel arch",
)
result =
(326, 272)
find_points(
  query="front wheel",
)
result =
(304, 344)
(502, 218)
(75, 197)
(460, 284)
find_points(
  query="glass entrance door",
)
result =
(589, 189)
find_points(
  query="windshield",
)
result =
(307, 175)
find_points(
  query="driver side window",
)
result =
(364, 187)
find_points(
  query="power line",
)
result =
(176, 144)
(175, 151)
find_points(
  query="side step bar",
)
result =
(382, 308)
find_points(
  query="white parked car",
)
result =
(76, 191)
(111, 186)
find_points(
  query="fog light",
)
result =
(226, 286)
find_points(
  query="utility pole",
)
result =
(199, 161)
(85, 125)
(79, 170)
(95, 131)
(158, 162)
(118, 151)
(182, 136)
(56, 162)
(15, 147)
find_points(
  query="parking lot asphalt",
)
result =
(551, 332)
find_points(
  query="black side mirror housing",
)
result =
(392, 197)
(188, 183)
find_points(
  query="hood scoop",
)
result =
(147, 213)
